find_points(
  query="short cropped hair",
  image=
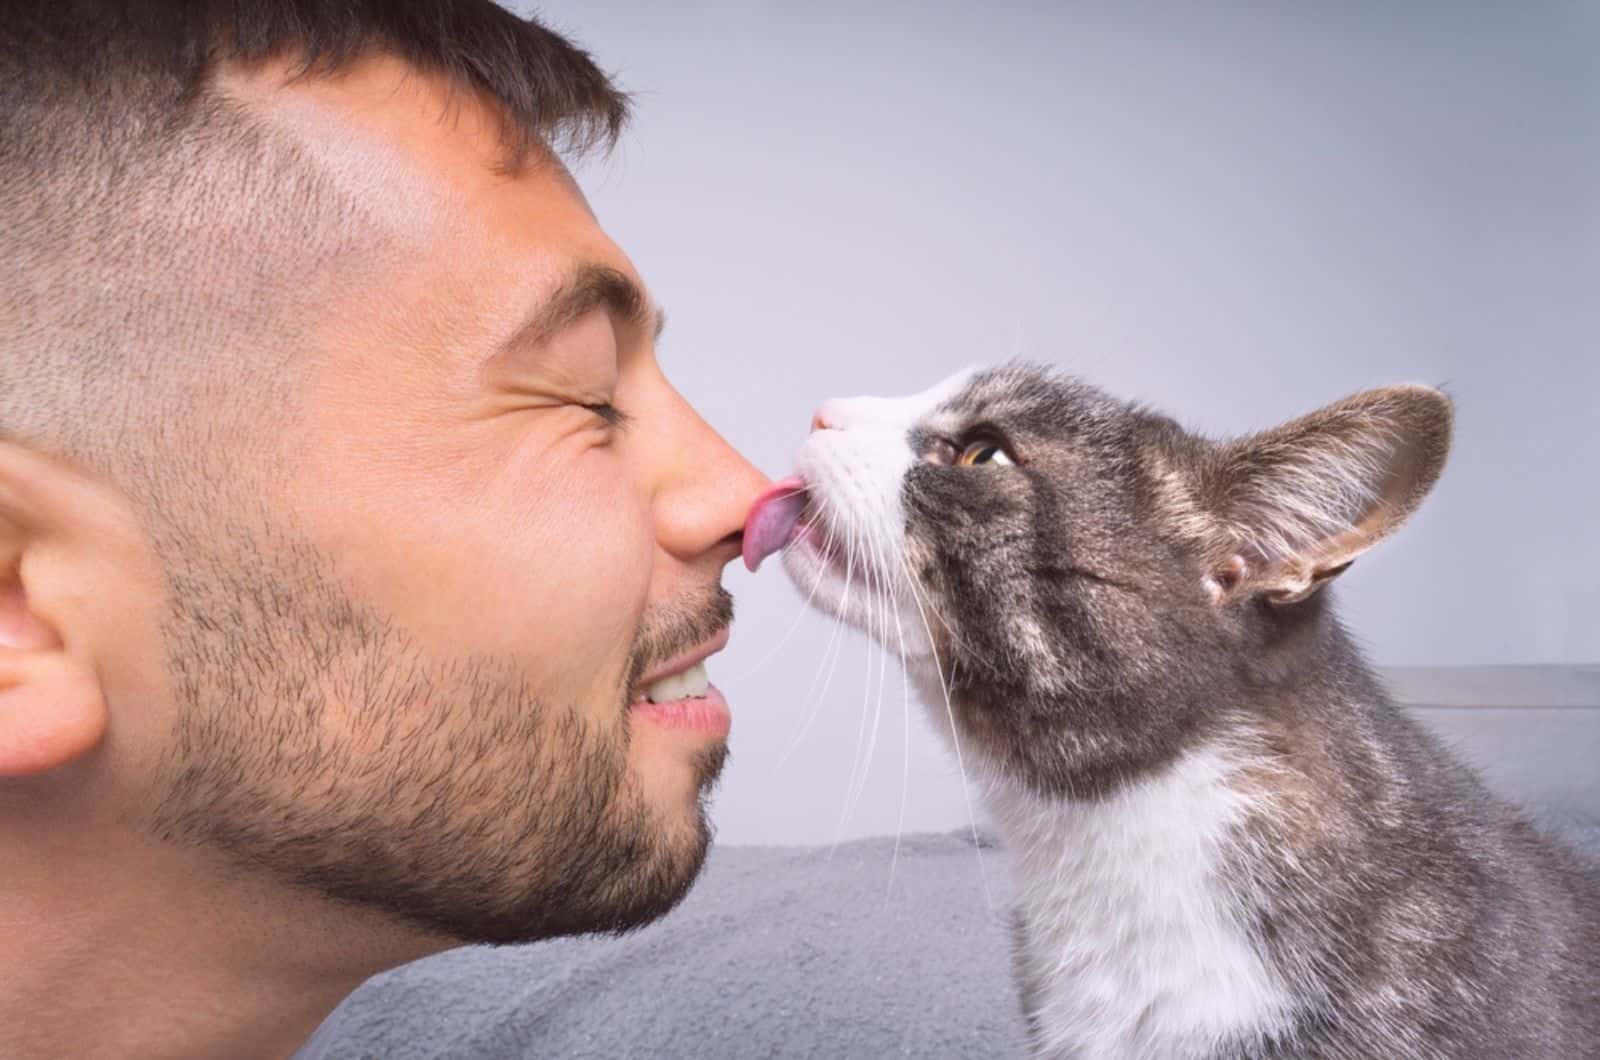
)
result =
(147, 221)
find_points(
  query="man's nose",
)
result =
(707, 490)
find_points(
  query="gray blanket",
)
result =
(777, 952)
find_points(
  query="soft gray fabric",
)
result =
(777, 952)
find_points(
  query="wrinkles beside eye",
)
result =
(613, 416)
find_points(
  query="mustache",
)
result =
(672, 628)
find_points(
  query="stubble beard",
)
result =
(321, 744)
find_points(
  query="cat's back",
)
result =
(1483, 928)
(1567, 923)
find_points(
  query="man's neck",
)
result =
(131, 956)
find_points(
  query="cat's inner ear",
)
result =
(1294, 506)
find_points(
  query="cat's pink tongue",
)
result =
(772, 519)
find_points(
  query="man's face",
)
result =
(409, 635)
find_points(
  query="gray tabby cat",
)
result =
(1228, 842)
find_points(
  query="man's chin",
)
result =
(707, 765)
(674, 765)
(622, 862)
(669, 844)
(649, 885)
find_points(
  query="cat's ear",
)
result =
(1294, 506)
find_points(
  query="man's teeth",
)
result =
(691, 684)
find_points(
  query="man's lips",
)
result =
(706, 714)
(679, 663)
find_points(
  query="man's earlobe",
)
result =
(52, 708)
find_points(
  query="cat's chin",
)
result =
(898, 621)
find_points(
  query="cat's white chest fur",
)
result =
(1132, 946)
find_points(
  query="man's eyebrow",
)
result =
(591, 287)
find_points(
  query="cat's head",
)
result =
(1088, 577)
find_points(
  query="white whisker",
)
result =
(855, 761)
(887, 610)
(860, 765)
(955, 736)
(799, 614)
(835, 645)
(905, 740)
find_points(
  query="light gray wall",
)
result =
(1533, 731)
(1235, 212)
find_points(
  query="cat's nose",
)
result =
(847, 414)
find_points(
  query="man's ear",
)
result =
(52, 708)
(1294, 506)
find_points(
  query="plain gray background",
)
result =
(1235, 212)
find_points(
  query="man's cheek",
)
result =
(591, 517)
(588, 555)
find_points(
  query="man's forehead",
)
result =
(424, 159)
(411, 144)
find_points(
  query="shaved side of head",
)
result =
(168, 243)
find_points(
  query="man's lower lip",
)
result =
(707, 714)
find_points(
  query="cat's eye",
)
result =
(984, 451)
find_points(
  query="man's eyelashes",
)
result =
(613, 416)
